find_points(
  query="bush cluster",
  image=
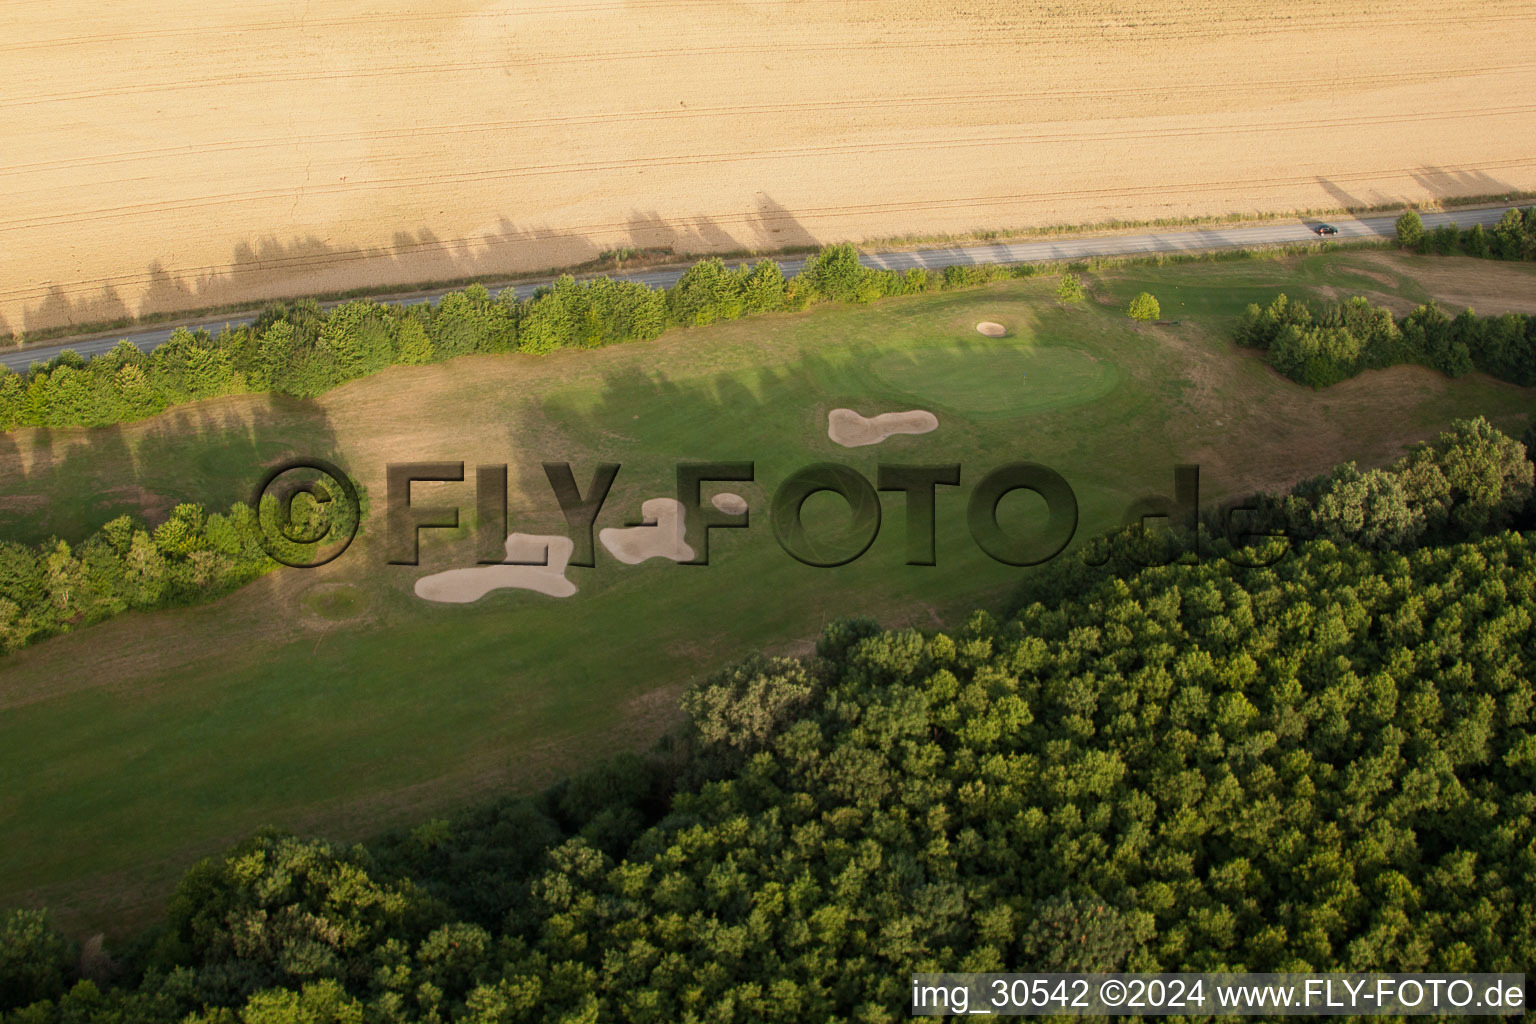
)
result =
(191, 557)
(1070, 291)
(303, 350)
(1513, 238)
(1323, 346)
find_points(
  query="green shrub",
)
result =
(1144, 308)
(835, 274)
(469, 321)
(585, 314)
(1444, 240)
(706, 292)
(1509, 236)
(192, 556)
(1069, 291)
(1316, 356)
(1410, 230)
(356, 339)
(915, 281)
(415, 348)
(762, 290)
(1474, 241)
(12, 398)
(1469, 482)
(36, 962)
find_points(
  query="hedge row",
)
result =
(303, 350)
(1512, 238)
(1323, 346)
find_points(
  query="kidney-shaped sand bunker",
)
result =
(852, 430)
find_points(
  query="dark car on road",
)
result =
(1326, 229)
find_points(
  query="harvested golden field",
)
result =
(172, 155)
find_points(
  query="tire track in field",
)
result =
(367, 21)
(927, 42)
(669, 162)
(1061, 25)
(620, 118)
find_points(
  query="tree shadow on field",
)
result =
(769, 226)
(1450, 183)
(272, 268)
(650, 423)
(67, 482)
(1440, 182)
(700, 421)
(1347, 200)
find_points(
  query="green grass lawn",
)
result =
(336, 701)
(68, 482)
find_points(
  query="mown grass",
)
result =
(338, 701)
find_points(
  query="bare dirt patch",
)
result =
(330, 604)
(851, 430)
(366, 144)
(153, 507)
(1490, 287)
(1379, 278)
(991, 329)
(24, 503)
(1399, 305)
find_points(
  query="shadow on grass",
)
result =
(67, 482)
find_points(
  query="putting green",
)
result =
(1002, 380)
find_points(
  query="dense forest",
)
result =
(1327, 763)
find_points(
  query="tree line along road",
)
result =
(1045, 251)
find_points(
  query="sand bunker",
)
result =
(851, 430)
(730, 504)
(991, 330)
(663, 539)
(462, 586)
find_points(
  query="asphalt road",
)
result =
(1068, 248)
